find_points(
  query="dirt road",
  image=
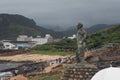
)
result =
(30, 57)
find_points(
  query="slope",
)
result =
(95, 40)
(103, 37)
(12, 25)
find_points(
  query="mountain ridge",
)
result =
(90, 30)
(12, 25)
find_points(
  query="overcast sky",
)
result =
(65, 12)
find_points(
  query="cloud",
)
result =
(65, 12)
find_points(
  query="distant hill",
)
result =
(13, 25)
(54, 28)
(72, 30)
(97, 27)
(69, 32)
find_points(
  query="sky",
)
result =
(65, 13)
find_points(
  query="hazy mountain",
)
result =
(13, 25)
(55, 28)
(72, 30)
(97, 27)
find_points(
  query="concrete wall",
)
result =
(40, 41)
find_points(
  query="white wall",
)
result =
(40, 41)
(23, 38)
(72, 37)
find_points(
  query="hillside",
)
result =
(95, 40)
(13, 25)
(103, 37)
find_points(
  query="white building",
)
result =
(38, 40)
(7, 45)
(24, 38)
(72, 37)
(49, 38)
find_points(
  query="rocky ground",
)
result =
(54, 69)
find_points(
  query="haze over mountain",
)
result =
(72, 30)
(55, 28)
(13, 25)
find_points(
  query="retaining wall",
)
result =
(79, 73)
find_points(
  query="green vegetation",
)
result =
(95, 40)
(58, 46)
(48, 77)
(64, 47)
(13, 25)
(103, 37)
(51, 52)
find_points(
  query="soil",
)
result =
(30, 57)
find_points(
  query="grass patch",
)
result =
(52, 53)
(48, 77)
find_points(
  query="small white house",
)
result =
(8, 45)
(72, 37)
(38, 40)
